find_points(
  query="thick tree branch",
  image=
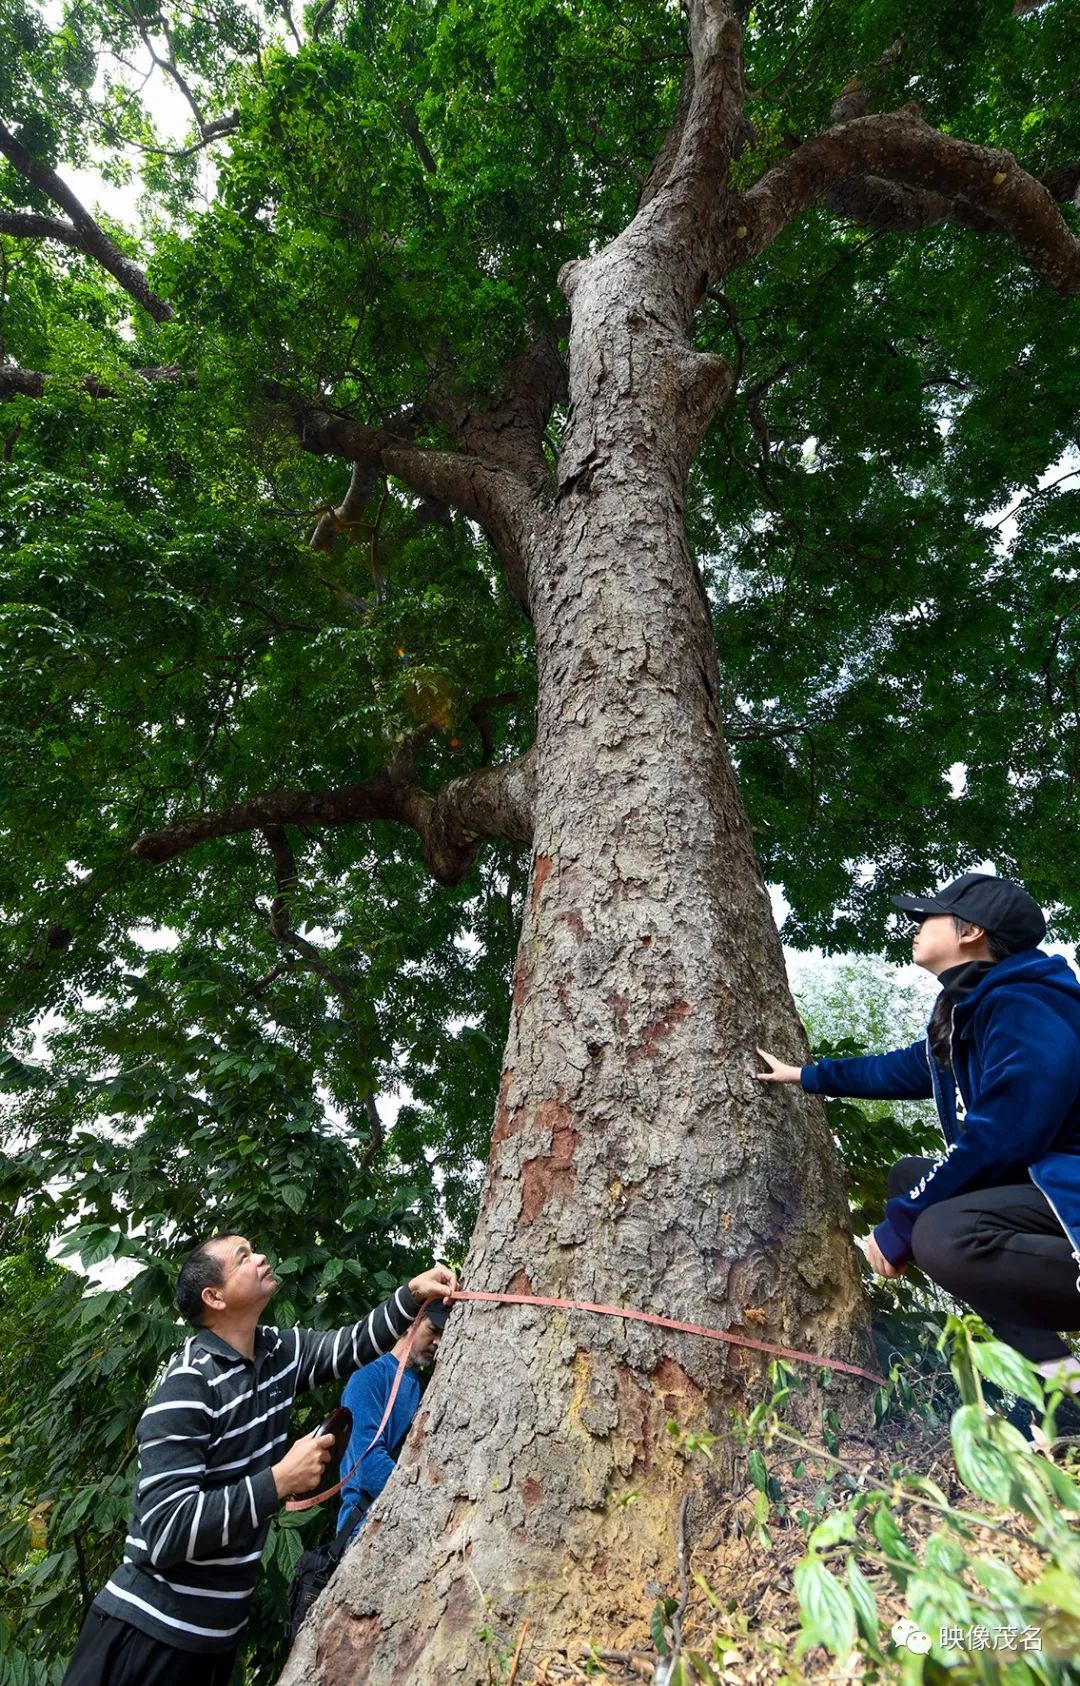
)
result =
(33, 225)
(508, 430)
(950, 180)
(714, 129)
(83, 232)
(504, 505)
(320, 17)
(669, 147)
(364, 480)
(32, 383)
(874, 202)
(362, 483)
(498, 477)
(451, 825)
(681, 212)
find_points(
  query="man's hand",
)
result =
(778, 1072)
(437, 1283)
(877, 1261)
(303, 1464)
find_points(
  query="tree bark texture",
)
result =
(635, 1159)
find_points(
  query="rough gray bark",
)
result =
(635, 1159)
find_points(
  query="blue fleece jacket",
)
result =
(365, 1395)
(1016, 1062)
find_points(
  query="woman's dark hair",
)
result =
(998, 947)
(201, 1269)
(939, 1030)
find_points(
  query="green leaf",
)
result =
(888, 1535)
(828, 1611)
(838, 1525)
(982, 1467)
(658, 1624)
(1057, 1588)
(1008, 1369)
(755, 1468)
(864, 1604)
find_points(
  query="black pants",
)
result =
(113, 1653)
(1002, 1252)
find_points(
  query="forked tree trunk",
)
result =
(635, 1160)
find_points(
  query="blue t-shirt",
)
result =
(365, 1395)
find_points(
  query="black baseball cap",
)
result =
(437, 1312)
(997, 904)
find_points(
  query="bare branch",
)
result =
(208, 132)
(854, 99)
(411, 124)
(362, 483)
(378, 1134)
(758, 420)
(451, 825)
(816, 18)
(215, 131)
(85, 234)
(877, 203)
(32, 225)
(281, 970)
(320, 17)
(945, 179)
(497, 478)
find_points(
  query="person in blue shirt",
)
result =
(366, 1394)
(996, 1222)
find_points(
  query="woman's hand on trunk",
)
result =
(778, 1072)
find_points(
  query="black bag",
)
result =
(312, 1573)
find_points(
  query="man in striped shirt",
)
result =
(213, 1469)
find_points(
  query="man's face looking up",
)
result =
(247, 1281)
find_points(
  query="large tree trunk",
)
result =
(635, 1160)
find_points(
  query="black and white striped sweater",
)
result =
(204, 1494)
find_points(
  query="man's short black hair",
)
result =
(201, 1269)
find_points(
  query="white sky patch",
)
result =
(155, 939)
(1004, 519)
(957, 777)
